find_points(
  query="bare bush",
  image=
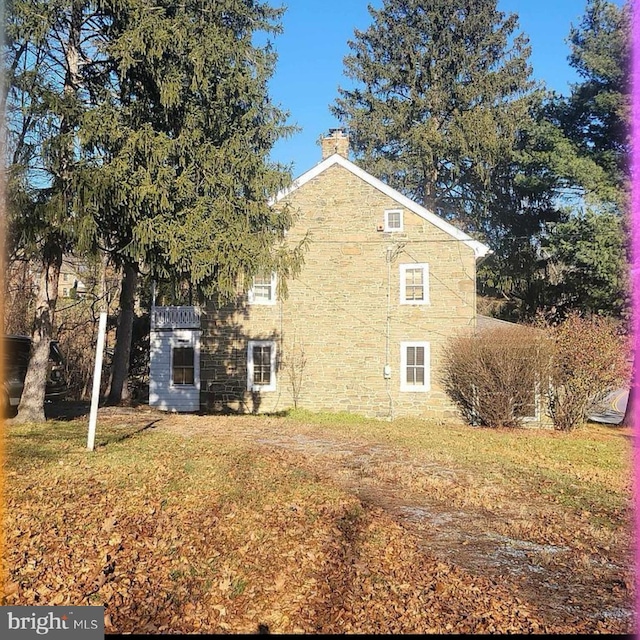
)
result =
(590, 359)
(494, 375)
(77, 335)
(295, 364)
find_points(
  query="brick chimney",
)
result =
(336, 142)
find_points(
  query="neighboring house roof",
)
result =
(488, 322)
(479, 248)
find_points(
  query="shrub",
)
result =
(494, 375)
(590, 358)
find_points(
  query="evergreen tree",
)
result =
(441, 90)
(589, 244)
(179, 169)
(587, 250)
(539, 260)
(596, 115)
(143, 128)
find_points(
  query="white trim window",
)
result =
(415, 365)
(393, 220)
(183, 366)
(414, 283)
(530, 412)
(261, 365)
(263, 290)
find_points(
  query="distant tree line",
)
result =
(444, 108)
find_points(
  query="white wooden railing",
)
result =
(175, 318)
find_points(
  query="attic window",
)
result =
(393, 220)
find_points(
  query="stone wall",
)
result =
(343, 312)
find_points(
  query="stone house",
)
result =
(384, 284)
(70, 283)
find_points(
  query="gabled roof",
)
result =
(479, 248)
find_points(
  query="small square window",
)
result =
(415, 366)
(263, 290)
(393, 220)
(414, 283)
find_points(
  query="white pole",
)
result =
(97, 374)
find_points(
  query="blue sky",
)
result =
(314, 43)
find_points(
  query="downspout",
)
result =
(387, 365)
(280, 358)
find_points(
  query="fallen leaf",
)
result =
(109, 523)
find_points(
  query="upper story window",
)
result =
(183, 366)
(261, 365)
(414, 283)
(393, 220)
(263, 290)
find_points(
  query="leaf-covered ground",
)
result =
(186, 524)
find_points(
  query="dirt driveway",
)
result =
(567, 585)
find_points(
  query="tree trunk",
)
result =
(31, 407)
(118, 388)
